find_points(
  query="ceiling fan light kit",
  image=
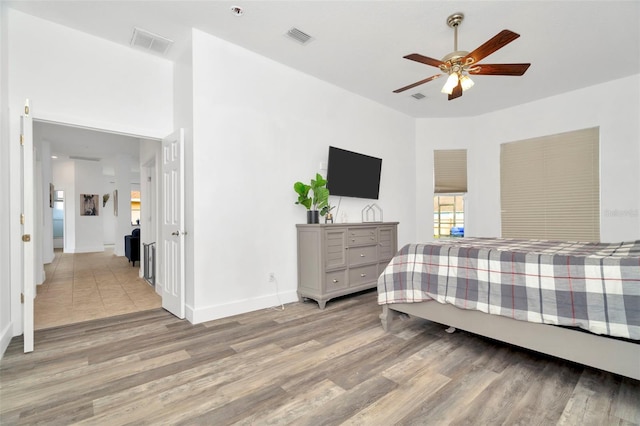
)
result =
(460, 63)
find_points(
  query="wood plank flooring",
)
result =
(298, 366)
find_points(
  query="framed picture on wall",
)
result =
(51, 193)
(89, 205)
(115, 202)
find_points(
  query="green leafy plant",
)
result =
(303, 194)
(326, 209)
(320, 194)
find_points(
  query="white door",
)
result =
(27, 220)
(173, 232)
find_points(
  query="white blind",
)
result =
(550, 187)
(450, 171)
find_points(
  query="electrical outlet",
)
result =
(272, 277)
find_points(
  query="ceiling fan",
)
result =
(459, 64)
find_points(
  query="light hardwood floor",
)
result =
(298, 366)
(84, 286)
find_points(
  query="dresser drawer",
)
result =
(336, 280)
(363, 274)
(362, 255)
(359, 236)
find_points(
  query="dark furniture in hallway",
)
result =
(132, 246)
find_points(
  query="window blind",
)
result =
(450, 171)
(550, 187)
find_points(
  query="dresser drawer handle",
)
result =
(353, 240)
(361, 254)
(363, 275)
(335, 281)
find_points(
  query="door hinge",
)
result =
(26, 107)
(21, 140)
(21, 218)
(22, 298)
(26, 238)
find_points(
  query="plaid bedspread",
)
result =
(588, 285)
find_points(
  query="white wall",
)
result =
(88, 82)
(601, 106)
(251, 141)
(183, 119)
(64, 178)
(6, 326)
(109, 221)
(89, 229)
(47, 211)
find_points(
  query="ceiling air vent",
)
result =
(418, 96)
(299, 36)
(77, 157)
(149, 41)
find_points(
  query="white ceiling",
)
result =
(358, 45)
(105, 148)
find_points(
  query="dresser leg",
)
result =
(322, 303)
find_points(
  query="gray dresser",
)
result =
(342, 258)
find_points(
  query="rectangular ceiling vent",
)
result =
(418, 96)
(146, 40)
(298, 35)
(77, 157)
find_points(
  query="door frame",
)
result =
(17, 278)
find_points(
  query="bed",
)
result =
(577, 301)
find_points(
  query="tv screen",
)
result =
(350, 174)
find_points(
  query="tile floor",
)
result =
(85, 286)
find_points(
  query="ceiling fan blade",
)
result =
(498, 41)
(456, 93)
(424, 59)
(499, 69)
(418, 83)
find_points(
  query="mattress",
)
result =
(592, 286)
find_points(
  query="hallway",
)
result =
(86, 286)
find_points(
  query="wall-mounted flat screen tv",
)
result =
(351, 174)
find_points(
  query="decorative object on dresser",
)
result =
(339, 259)
(316, 205)
(370, 213)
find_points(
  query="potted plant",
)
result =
(315, 203)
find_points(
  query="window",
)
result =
(550, 187)
(135, 207)
(448, 216)
(450, 185)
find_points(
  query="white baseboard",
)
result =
(214, 312)
(5, 338)
(95, 249)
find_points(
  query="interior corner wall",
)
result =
(595, 106)
(109, 221)
(63, 173)
(44, 148)
(89, 82)
(6, 327)
(259, 127)
(183, 119)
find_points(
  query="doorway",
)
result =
(89, 277)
